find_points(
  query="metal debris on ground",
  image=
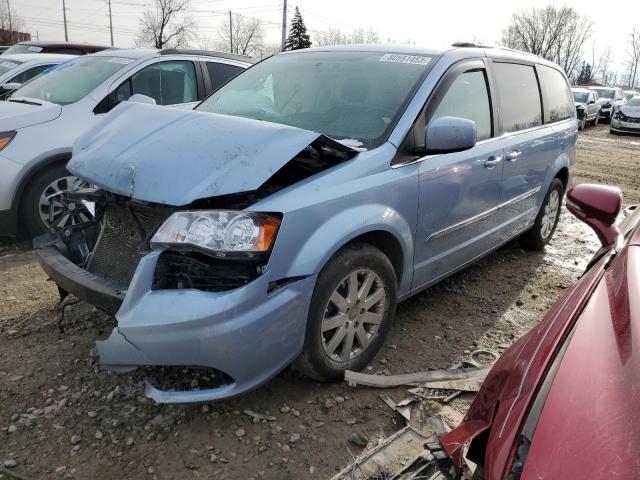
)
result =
(258, 417)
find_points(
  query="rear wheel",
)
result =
(351, 311)
(45, 203)
(596, 120)
(547, 220)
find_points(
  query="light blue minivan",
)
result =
(283, 219)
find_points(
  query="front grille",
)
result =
(123, 241)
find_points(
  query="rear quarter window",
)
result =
(558, 104)
(221, 73)
(518, 96)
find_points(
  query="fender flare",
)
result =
(33, 170)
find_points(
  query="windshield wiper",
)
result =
(25, 101)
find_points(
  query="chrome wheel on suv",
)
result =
(547, 220)
(550, 215)
(353, 315)
(57, 210)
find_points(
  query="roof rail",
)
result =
(469, 45)
(207, 53)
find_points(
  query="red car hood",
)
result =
(589, 424)
(497, 414)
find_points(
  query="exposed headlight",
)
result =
(218, 231)
(619, 115)
(5, 138)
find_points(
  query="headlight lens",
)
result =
(5, 138)
(218, 231)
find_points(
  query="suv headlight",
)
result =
(5, 138)
(218, 232)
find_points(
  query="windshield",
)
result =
(605, 92)
(580, 97)
(629, 95)
(634, 102)
(8, 65)
(72, 80)
(18, 48)
(344, 95)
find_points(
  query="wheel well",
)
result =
(36, 169)
(563, 176)
(388, 244)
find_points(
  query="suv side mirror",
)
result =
(140, 98)
(11, 86)
(448, 135)
(597, 206)
(592, 101)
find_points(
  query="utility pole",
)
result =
(284, 24)
(64, 16)
(110, 22)
(230, 32)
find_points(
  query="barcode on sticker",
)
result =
(402, 58)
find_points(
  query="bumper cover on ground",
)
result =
(248, 333)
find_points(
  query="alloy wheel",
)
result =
(551, 210)
(353, 315)
(57, 210)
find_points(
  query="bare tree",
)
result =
(166, 25)
(10, 21)
(555, 33)
(600, 65)
(333, 36)
(633, 57)
(245, 35)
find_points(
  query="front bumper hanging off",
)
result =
(249, 333)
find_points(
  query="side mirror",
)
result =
(139, 98)
(591, 102)
(11, 86)
(448, 135)
(597, 206)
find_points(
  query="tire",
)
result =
(50, 180)
(542, 231)
(324, 356)
(596, 120)
(582, 124)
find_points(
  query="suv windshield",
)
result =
(344, 95)
(22, 48)
(605, 92)
(634, 102)
(580, 97)
(72, 80)
(8, 65)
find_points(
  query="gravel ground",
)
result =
(61, 417)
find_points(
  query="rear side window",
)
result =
(27, 75)
(468, 97)
(221, 73)
(558, 104)
(68, 51)
(518, 96)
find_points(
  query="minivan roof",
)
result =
(136, 53)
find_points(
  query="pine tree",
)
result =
(585, 74)
(298, 37)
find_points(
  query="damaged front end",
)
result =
(188, 283)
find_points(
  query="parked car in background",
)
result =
(612, 98)
(629, 94)
(3, 48)
(627, 118)
(284, 217)
(587, 106)
(41, 120)
(572, 380)
(66, 48)
(16, 69)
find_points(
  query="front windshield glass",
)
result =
(634, 102)
(72, 80)
(605, 93)
(580, 97)
(8, 65)
(629, 95)
(344, 95)
(18, 48)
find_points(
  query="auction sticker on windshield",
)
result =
(402, 58)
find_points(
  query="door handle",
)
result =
(492, 161)
(513, 156)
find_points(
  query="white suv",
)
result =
(19, 68)
(41, 120)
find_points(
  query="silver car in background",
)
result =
(612, 99)
(627, 118)
(18, 68)
(587, 106)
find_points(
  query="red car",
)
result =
(563, 402)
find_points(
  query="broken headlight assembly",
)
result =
(220, 233)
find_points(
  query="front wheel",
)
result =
(596, 120)
(547, 220)
(351, 311)
(45, 204)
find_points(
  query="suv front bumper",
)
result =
(249, 333)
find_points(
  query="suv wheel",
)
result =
(351, 311)
(547, 220)
(50, 185)
(596, 120)
(583, 123)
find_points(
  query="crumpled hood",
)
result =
(171, 156)
(630, 111)
(15, 115)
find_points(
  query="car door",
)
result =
(592, 106)
(458, 191)
(529, 145)
(217, 73)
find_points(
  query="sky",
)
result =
(424, 22)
